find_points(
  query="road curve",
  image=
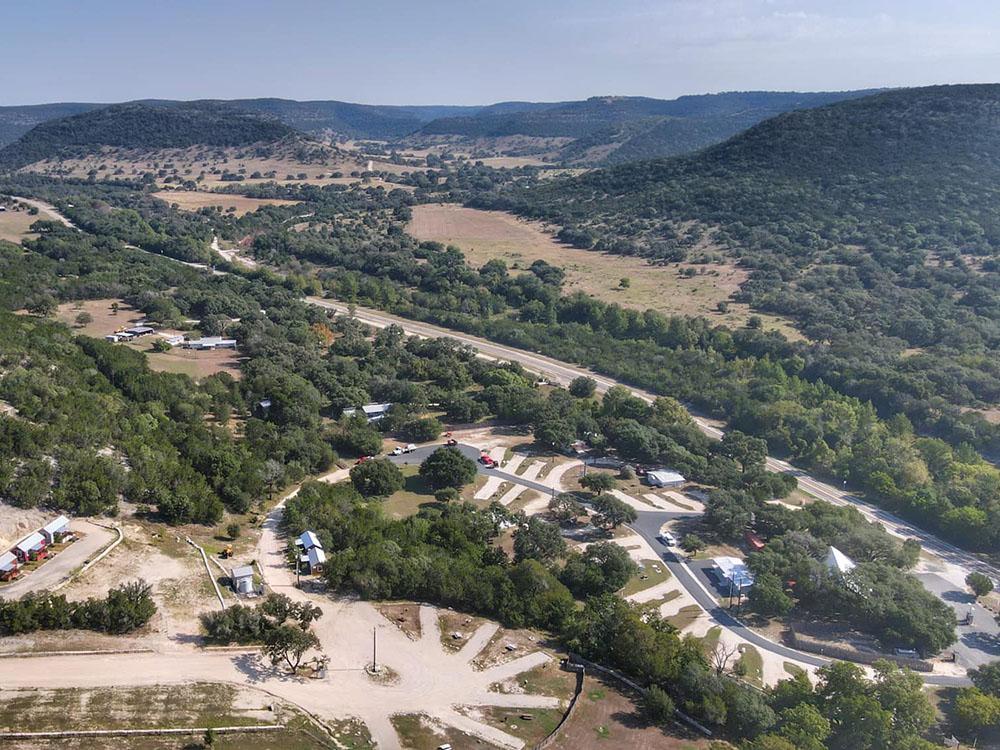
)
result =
(563, 373)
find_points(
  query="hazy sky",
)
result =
(475, 52)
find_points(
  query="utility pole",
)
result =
(374, 648)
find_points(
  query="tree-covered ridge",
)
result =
(139, 125)
(632, 127)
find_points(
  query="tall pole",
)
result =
(374, 650)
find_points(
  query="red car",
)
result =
(485, 460)
(362, 460)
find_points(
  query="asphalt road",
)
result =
(563, 373)
(420, 454)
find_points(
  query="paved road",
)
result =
(648, 525)
(563, 373)
(470, 451)
(58, 568)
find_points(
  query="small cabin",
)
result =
(55, 531)
(32, 547)
(8, 566)
(242, 579)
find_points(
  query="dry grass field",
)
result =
(281, 165)
(185, 361)
(14, 225)
(192, 200)
(484, 235)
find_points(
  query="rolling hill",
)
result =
(146, 126)
(615, 129)
(16, 121)
(872, 223)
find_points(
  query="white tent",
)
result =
(838, 562)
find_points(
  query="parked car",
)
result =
(667, 539)
(452, 441)
(485, 460)
(409, 448)
(397, 451)
(362, 460)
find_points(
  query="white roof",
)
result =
(309, 540)
(211, 341)
(734, 569)
(8, 561)
(140, 329)
(245, 571)
(56, 525)
(664, 476)
(369, 409)
(838, 561)
(316, 556)
(30, 542)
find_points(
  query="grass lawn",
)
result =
(415, 495)
(685, 616)
(792, 669)
(532, 730)
(753, 664)
(653, 572)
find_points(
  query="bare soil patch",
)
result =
(485, 235)
(606, 717)
(14, 224)
(498, 650)
(451, 623)
(404, 615)
(192, 200)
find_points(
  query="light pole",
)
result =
(375, 649)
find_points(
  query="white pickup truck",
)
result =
(399, 450)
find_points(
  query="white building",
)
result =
(210, 342)
(734, 571)
(664, 478)
(372, 412)
(307, 540)
(53, 531)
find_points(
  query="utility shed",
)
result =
(316, 557)
(242, 579)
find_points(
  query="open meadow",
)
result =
(485, 235)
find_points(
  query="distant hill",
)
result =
(354, 120)
(16, 121)
(616, 128)
(145, 126)
(875, 215)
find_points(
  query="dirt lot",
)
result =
(404, 615)
(484, 235)
(192, 200)
(606, 718)
(419, 732)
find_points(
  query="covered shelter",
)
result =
(664, 478)
(372, 412)
(837, 562)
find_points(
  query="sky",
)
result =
(479, 51)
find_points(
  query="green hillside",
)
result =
(633, 127)
(871, 223)
(138, 125)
